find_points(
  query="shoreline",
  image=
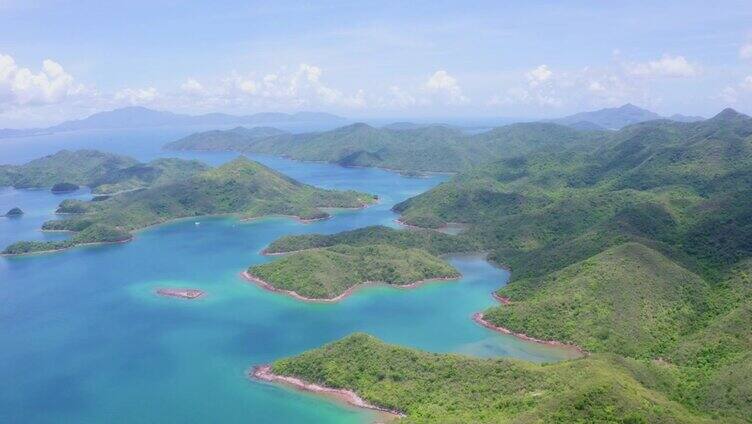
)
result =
(501, 299)
(268, 286)
(264, 373)
(173, 221)
(62, 249)
(288, 157)
(188, 294)
(479, 319)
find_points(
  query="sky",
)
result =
(420, 59)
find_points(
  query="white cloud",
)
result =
(667, 66)
(539, 75)
(191, 86)
(22, 86)
(747, 83)
(284, 89)
(541, 90)
(596, 87)
(136, 96)
(397, 97)
(745, 51)
(729, 95)
(446, 86)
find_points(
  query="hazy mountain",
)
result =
(678, 117)
(137, 117)
(610, 118)
(401, 126)
(425, 148)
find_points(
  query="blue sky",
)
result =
(66, 59)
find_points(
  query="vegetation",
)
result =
(326, 273)
(241, 187)
(422, 148)
(431, 241)
(629, 299)
(14, 212)
(638, 250)
(64, 187)
(445, 388)
(81, 167)
(231, 140)
(102, 172)
(94, 233)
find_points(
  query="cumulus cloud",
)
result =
(667, 66)
(193, 87)
(445, 86)
(539, 75)
(745, 51)
(21, 86)
(301, 87)
(541, 89)
(747, 83)
(136, 96)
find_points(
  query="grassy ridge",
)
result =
(628, 299)
(239, 187)
(104, 173)
(328, 272)
(444, 388)
(430, 148)
(430, 241)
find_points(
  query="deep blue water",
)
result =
(83, 337)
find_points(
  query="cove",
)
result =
(85, 339)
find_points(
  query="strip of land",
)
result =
(180, 293)
(265, 373)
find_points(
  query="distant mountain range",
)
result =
(139, 117)
(616, 118)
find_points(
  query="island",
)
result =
(242, 187)
(64, 188)
(104, 173)
(332, 273)
(180, 293)
(14, 212)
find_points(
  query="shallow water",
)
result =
(84, 338)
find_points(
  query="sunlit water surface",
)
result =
(84, 338)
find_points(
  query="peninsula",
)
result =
(242, 187)
(332, 273)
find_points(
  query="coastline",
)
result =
(40, 252)
(444, 229)
(264, 373)
(501, 299)
(267, 286)
(175, 220)
(479, 319)
(188, 294)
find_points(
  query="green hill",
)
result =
(445, 388)
(431, 241)
(326, 273)
(104, 173)
(426, 148)
(80, 167)
(241, 187)
(218, 140)
(628, 299)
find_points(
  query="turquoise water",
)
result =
(83, 337)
